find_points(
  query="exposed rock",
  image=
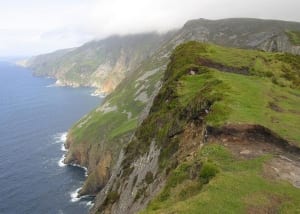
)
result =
(134, 194)
(106, 108)
(143, 97)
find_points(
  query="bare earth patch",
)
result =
(251, 141)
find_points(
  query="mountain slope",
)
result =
(96, 140)
(267, 35)
(102, 64)
(223, 118)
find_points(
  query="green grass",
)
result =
(229, 97)
(124, 128)
(294, 37)
(236, 188)
(244, 98)
(247, 99)
(268, 95)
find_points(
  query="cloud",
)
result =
(33, 26)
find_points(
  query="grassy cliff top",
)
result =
(244, 86)
(225, 86)
(222, 86)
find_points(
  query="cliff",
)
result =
(221, 135)
(96, 140)
(132, 69)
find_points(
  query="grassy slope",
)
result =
(294, 37)
(110, 127)
(238, 184)
(236, 98)
(238, 187)
(248, 98)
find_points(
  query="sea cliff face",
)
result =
(133, 78)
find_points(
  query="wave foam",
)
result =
(97, 94)
(61, 161)
(51, 86)
(60, 137)
(63, 148)
(75, 195)
(90, 204)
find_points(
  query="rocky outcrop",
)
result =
(129, 195)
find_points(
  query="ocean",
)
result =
(34, 118)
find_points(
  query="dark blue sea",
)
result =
(34, 117)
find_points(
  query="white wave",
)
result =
(75, 195)
(90, 204)
(63, 137)
(61, 161)
(97, 94)
(51, 86)
(60, 137)
(63, 148)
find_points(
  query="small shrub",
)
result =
(208, 171)
(112, 197)
(149, 177)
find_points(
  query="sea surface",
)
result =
(34, 118)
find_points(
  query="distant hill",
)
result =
(101, 64)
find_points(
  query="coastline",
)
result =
(97, 91)
(74, 195)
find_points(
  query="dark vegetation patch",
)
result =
(111, 198)
(291, 73)
(149, 177)
(199, 172)
(275, 107)
(224, 68)
(140, 193)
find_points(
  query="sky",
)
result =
(31, 27)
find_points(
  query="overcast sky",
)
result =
(30, 27)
